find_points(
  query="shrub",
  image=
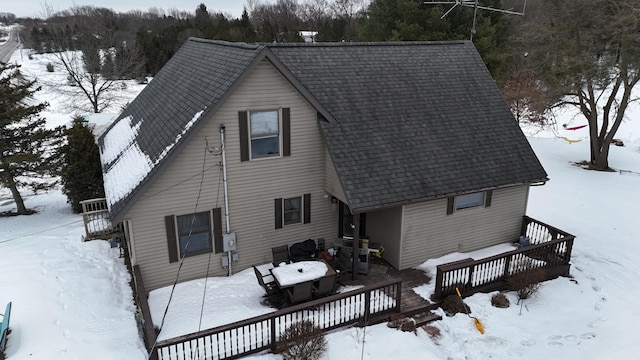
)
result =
(527, 281)
(303, 341)
(49, 67)
(452, 305)
(499, 300)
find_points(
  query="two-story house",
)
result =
(278, 143)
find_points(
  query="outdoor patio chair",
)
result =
(280, 254)
(343, 263)
(300, 293)
(269, 286)
(325, 286)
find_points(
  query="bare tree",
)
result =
(586, 53)
(96, 58)
(280, 21)
(314, 12)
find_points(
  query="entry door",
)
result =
(345, 222)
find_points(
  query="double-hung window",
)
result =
(194, 233)
(264, 133)
(467, 201)
(264, 127)
(292, 210)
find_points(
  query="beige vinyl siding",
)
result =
(332, 183)
(385, 227)
(253, 185)
(428, 232)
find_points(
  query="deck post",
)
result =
(398, 296)
(272, 329)
(439, 278)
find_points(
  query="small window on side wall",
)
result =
(467, 201)
(293, 210)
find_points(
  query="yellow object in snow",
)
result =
(475, 319)
(570, 141)
(479, 325)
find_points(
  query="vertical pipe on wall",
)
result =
(226, 193)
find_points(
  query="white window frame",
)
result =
(469, 201)
(300, 211)
(194, 235)
(253, 137)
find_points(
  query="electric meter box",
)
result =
(229, 242)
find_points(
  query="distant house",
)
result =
(413, 139)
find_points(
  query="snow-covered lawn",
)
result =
(72, 300)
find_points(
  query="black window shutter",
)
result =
(172, 241)
(487, 198)
(217, 230)
(286, 132)
(450, 201)
(307, 208)
(278, 211)
(243, 126)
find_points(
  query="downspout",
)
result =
(226, 193)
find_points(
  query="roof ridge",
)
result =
(368, 43)
(242, 45)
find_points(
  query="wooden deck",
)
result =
(380, 270)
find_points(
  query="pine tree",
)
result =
(29, 152)
(81, 173)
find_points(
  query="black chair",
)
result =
(269, 286)
(280, 254)
(325, 286)
(343, 263)
(300, 293)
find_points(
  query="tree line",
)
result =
(581, 53)
(157, 34)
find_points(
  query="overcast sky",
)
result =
(35, 8)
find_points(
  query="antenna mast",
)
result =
(474, 4)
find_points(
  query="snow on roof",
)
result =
(118, 139)
(131, 166)
(126, 164)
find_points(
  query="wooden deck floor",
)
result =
(380, 270)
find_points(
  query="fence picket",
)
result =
(550, 249)
(245, 337)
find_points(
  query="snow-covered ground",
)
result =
(72, 300)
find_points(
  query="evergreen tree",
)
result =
(29, 152)
(81, 173)
(411, 20)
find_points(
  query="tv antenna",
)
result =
(474, 4)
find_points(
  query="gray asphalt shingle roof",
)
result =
(417, 120)
(409, 121)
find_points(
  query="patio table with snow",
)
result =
(295, 273)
